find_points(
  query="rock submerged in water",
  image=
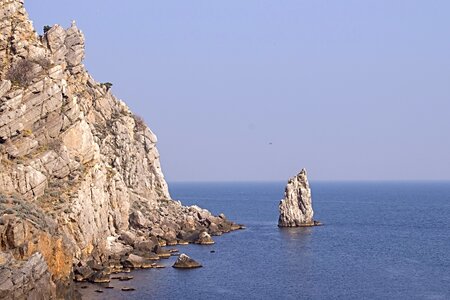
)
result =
(296, 206)
(185, 262)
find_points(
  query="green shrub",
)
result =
(47, 28)
(108, 85)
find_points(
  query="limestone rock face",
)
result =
(30, 279)
(296, 206)
(80, 177)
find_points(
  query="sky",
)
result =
(255, 90)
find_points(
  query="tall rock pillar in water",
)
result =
(296, 207)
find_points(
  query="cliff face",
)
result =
(296, 206)
(75, 163)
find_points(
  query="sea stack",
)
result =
(296, 206)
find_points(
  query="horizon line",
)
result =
(311, 180)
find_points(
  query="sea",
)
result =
(380, 240)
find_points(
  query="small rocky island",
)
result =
(296, 206)
(185, 262)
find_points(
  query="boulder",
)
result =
(204, 239)
(145, 246)
(137, 220)
(185, 262)
(128, 237)
(117, 250)
(188, 236)
(134, 261)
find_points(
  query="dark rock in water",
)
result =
(98, 291)
(128, 289)
(296, 206)
(125, 278)
(185, 262)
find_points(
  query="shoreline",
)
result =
(124, 278)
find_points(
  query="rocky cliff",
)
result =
(81, 186)
(296, 206)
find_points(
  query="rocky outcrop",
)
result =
(296, 206)
(185, 262)
(80, 177)
(30, 279)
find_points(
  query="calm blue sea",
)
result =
(381, 240)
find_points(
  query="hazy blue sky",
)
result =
(348, 89)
